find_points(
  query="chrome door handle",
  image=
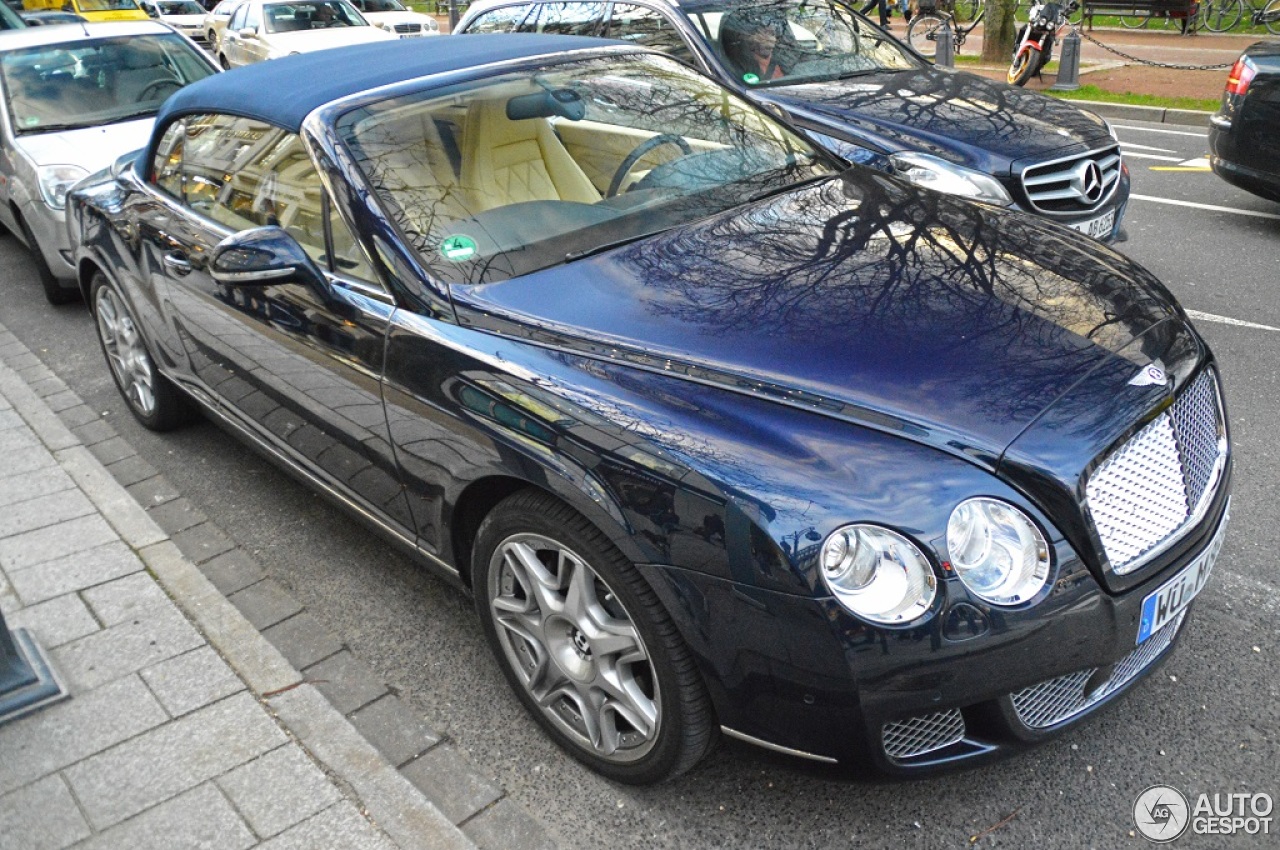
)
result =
(177, 264)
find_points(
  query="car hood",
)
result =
(184, 21)
(393, 18)
(323, 39)
(91, 148)
(860, 297)
(961, 117)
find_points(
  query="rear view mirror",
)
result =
(263, 256)
(563, 103)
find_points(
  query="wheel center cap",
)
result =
(580, 643)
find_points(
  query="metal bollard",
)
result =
(1068, 64)
(27, 682)
(946, 55)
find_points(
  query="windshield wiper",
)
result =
(609, 246)
(130, 116)
(52, 128)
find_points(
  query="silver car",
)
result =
(76, 97)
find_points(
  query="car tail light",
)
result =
(1241, 75)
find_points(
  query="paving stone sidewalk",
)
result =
(185, 727)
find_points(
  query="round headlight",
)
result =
(997, 551)
(878, 574)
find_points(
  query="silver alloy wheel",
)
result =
(574, 647)
(125, 350)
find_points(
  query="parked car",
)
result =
(186, 16)
(76, 98)
(1244, 134)
(100, 11)
(269, 29)
(215, 22)
(721, 433)
(392, 16)
(870, 98)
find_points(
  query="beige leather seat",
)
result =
(408, 159)
(508, 162)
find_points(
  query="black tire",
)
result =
(1024, 66)
(152, 398)
(222, 60)
(1221, 15)
(923, 32)
(54, 292)
(534, 553)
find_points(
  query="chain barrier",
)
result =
(1151, 62)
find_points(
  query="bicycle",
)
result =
(922, 33)
(1221, 15)
(1268, 16)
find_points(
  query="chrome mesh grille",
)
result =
(919, 735)
(1075, 184)
(1055, 700)
(404, 28)
(1157, 485)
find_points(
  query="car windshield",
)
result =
(108, 6)
(783, 42)
(507, 175)
(383, 6)
(86, 83)
(292, 17)
(180, 7)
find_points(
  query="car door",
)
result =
(298, 366)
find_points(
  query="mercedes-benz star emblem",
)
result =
(1092, 182)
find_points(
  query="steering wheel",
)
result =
(157, 85)
(641, 149)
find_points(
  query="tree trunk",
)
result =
(998, 29)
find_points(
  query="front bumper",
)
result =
(803, 676)
(49, 226)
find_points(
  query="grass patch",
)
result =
(1091, 92)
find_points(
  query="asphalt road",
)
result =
(1207, 722)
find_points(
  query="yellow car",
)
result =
(93, 10)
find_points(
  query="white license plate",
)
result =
(1168, 600)
(1098, 228)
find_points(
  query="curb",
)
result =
(392, 757)
(1154, 114)
(389, 799)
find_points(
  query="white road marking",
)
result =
(1156, 130)
(1146, 147)
(1227, 320)
(1132, 155)
(1211, 207)
(1198, 162)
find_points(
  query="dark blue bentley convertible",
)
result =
(720, 434)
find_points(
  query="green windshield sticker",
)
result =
(750, 78)
(458, 248)
(30, 121)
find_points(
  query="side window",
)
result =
(167, 165)
(252, 16)
(648, 28)
(244, 173)
(505, 19)
(237, 19)
(567, 19)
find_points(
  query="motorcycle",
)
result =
(1034, 44)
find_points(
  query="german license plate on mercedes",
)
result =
(1168, 600)
(1098, 228)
